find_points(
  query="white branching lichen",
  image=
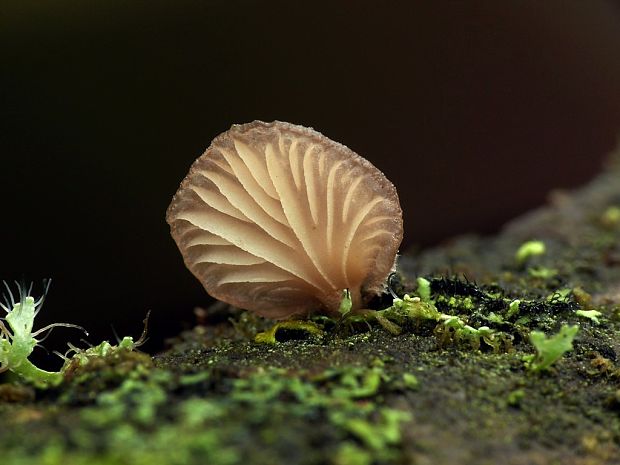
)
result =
(17, 338)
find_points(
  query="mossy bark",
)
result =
(359, 394)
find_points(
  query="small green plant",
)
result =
(17, 339)
(593, 315)
(529, 249)
(513, 308)
(346, 303)
(550, 349)
(424, 289)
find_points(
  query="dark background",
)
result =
(475, 110)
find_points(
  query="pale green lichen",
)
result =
(411, 308)
(456, 330)
(402, 311)
(17, 339)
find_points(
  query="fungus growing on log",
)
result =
(278, 219)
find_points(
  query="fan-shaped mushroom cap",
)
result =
(279, 219)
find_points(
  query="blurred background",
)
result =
(474, 110)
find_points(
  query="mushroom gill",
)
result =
(278, 219)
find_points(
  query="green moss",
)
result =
(542, 272)
(515, 397)
(592, 315)
(410, 381)
(351, 454)
(549, 349)
(528, 250)
(378, 433)
(611, 216)
(424, 289)
(138, 416)
(513, 308)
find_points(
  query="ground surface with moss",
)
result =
(439, 378)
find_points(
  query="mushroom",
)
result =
(278, 219)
